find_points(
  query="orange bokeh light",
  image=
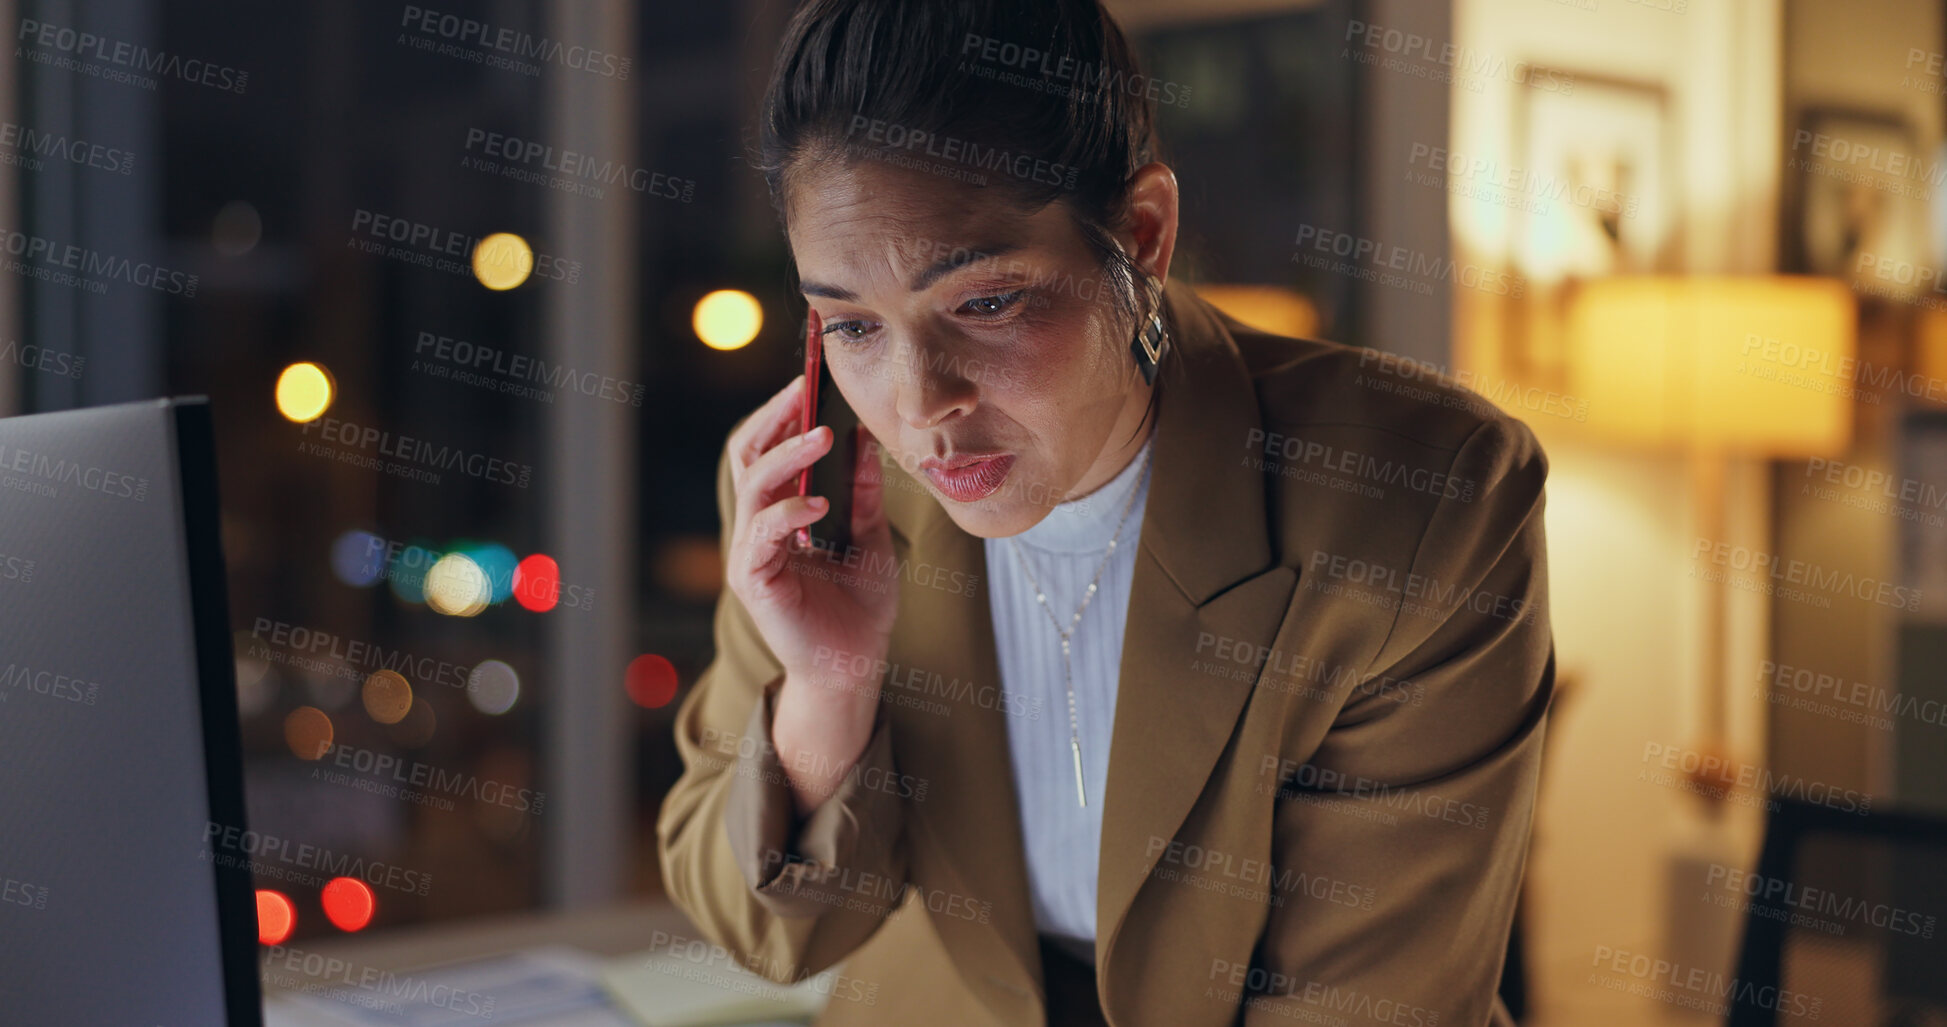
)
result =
(387, 696)
(307, 730)
(349, 903)
(276, 917)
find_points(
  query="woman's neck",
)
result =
(1135, 415)
(1086, 525)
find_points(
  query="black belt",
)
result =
(1070, 986)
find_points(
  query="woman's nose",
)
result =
(933, 387)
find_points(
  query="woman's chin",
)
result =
(993, 517)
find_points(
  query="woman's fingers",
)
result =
(777, 417)
(775, 474)
(771, 528)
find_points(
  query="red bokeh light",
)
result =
(276, 917)
(651, 681)
(537, 583)
(349, 903)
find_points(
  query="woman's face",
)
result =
(961, 330)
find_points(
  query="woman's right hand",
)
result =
(828, 621)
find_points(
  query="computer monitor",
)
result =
(118, 726)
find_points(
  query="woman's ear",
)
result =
(1150, 237)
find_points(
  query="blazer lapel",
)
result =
(1205, 569)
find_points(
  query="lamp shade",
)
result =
(1760, 365)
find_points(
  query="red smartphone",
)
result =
(831, 475)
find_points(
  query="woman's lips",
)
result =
(971, 481)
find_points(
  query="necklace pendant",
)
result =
(1075, 746)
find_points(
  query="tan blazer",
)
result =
(1333, 688)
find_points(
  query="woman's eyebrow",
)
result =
(959, 258)
(827, 291)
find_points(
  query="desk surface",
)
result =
(609, 930)
(369, 964)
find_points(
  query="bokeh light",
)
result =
(236, 229)
(457, 587)
(493, 687)
(358, 558)
(256, 683)
(727, 319)
(651, 681)
(276, 917)
(496, 561)
(690, 566)
(257, 696)
(388, 696)
(304, 392)
(307, 730)
(252, 658)
(349, 903)
(418, 726)
(406, 571)
(502, 261)
(537, 583)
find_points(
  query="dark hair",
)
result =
(1051, 83)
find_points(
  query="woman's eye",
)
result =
(849, 331)
(988, 306)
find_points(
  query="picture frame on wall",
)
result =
(1923, 517)
(1840, 207)
(1599, 176)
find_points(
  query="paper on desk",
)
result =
(665, 990)
(552, 986)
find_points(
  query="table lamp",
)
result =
(1716, 366)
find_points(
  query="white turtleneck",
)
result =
(1063, 839)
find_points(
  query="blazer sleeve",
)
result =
(1418, 802)
(788, 896)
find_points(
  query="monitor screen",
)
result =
(118, 727)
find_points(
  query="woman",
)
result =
(1179, 674)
